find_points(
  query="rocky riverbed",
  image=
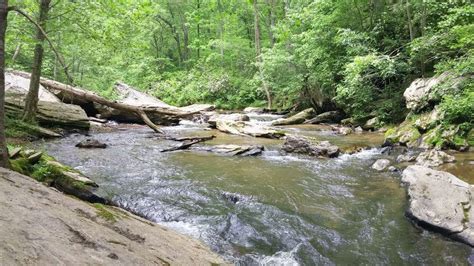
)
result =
(275, 208)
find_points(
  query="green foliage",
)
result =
(15, 128)
(356, 56)
(459, 109)
(368, 80)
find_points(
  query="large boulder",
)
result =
(429, 120)
(243, 128)
(51, 111)
(326, 117)
(304, 146)
(424, 91)
(371, 124)
(236, 117)
(434, 158)
(295, 119)
(441, 202)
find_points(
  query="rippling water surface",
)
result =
(274, 209)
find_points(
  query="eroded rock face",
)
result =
(381, 164)
(51, 111)
(303, 146)
(441, 202)
(46, 227)
(423, 91)
(434, 158)
(298, 118)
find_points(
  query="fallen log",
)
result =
(141, 111)
(188, 142)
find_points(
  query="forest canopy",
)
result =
(355, 56)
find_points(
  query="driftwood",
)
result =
(140, 111)
(187, 142)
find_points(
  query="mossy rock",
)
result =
(405, 134)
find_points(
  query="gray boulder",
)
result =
(423, 91)
(440, 201)
(327, 117)
(243, 128)
(434, 158)
(303, 146)
(381, 164)
(235, 150)
(236, 117)
(51, 111)
(298, 118)
(371, 124)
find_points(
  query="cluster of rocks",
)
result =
(428, 158)
(423, 127)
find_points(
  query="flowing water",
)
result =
(274, 209)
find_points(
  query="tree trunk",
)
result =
(198, 32)
(17, 53)
(410, 23)
(258, 51)
(271, 3)
(31, 101)
(3, 27)
(88, 96)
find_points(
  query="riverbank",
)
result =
(42, 226)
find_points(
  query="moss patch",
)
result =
(104, 213)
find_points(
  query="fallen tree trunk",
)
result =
(188, 142)
(141, 111)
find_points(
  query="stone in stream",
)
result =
(257, 110)
(213, 119)
(235, 150)
(298, 118)
(303, 146)
(441, 202)
(406, 158)
(381, 164)
(246, 129)
(434, 158)
(326, 117)
(91, 143)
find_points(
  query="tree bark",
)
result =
(31, 101)
(258, 51)
(3, 27)
(16, 53)
(410, 23)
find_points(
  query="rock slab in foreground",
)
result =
(441, 202)
(41, 226)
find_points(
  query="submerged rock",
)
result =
(441, 202)
(434, 158)
(381, 164)
(327, 117)
(303, 146)
(91, 143)
(295, 119)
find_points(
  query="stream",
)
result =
(274, 209)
